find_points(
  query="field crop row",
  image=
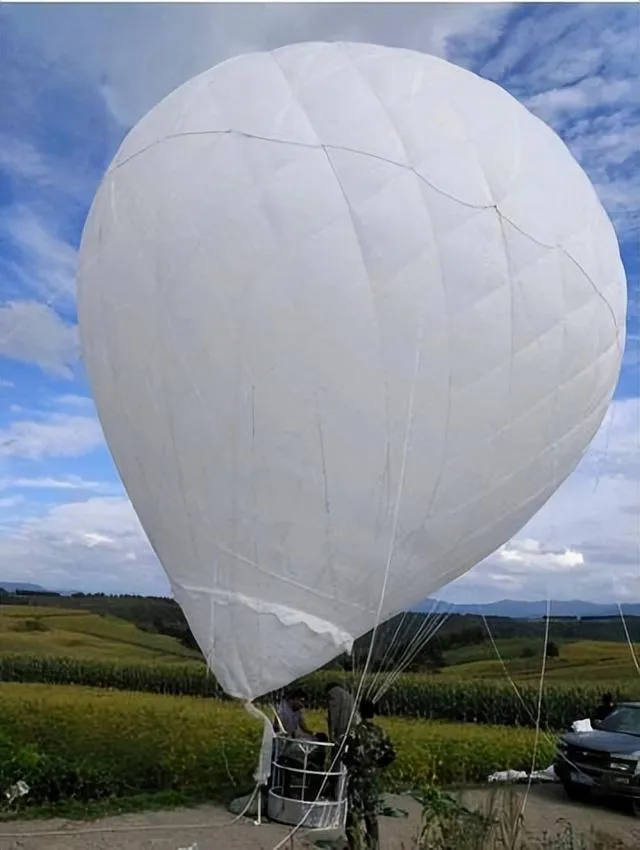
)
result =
(417, 696)
(71, 743)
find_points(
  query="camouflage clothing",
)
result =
(368, 750)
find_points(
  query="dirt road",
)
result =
(210, 828)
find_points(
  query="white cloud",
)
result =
(23, 160)
(70, 482)
(591, 93)
(10, 502)
(37, 172)
(615, 450)
(32, 332)
(59, 435)
(46, 263)
(72, 400)
(138, 54)
(632, 353)
(5, 383)
(86, 545)
(524, 555)
(576, 68)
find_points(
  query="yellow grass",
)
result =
(579, 661)
(147, 742)
(58, 632)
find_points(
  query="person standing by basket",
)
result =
(368, 750)
(339, 711)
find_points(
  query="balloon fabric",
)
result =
(351, 314)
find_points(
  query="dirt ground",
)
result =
(211, 828)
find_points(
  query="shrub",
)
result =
(34, 624)
(552, 650)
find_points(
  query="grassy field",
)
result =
(55, 632)
(72, 743)
(74, 633)
(578, 661)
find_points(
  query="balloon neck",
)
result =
(254, 711)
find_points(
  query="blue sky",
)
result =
(76, 78)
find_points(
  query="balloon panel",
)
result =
(333, 296)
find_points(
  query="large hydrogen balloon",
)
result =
(350, 314)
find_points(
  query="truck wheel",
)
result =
(575, 792)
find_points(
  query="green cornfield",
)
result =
(72, 743)
(416, 696)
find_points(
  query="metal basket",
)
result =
(303, 790)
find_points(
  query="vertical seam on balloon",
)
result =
(376, 316)
(408, 429)
(327, 503)
(598, 293)
(556, 394)
(409, 167)
(386, 472)
(243, 360)
(266, 213)
(405, 167)
(572, 259)
(399, 494)
(420, 177)
(509, 285)
(117, 396)
(159, 315)
(386, 475)
(501, 481)
(407, 440)
(508, 477)
(328, 524)
(445, 442)
(449, 575)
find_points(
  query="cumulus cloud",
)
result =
(41, 261)
(140, 53)
(576, 67)
(10, 501)
(39, 172)
(57, 435)
(69, 482)
(38, 268)
(524, 555)
(88, 545)
(23, 160)
(632, 352)
(81, 402)
(32, 332)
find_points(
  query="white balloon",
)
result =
(351, 314)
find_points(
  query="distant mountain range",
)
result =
(12, 586)
(512, 608)
(516, 609)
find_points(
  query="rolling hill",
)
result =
(83, 635)
(132, 629)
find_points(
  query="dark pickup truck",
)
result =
(605, 761)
